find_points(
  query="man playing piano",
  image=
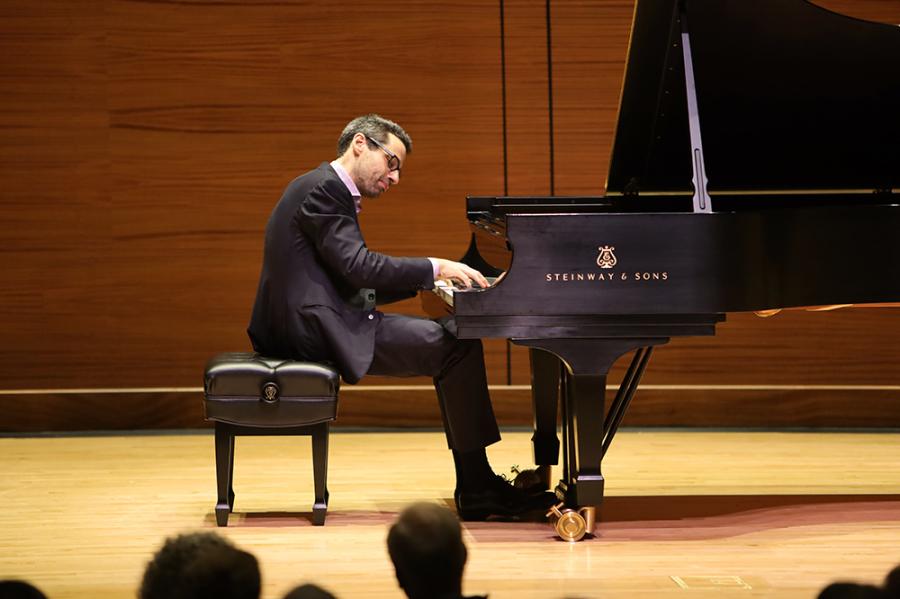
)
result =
(317, 298)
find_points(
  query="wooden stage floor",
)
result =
(688, 513)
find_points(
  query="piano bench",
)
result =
(249, 394)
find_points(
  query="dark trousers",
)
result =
(410, 346)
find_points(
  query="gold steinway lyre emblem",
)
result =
(606, 259)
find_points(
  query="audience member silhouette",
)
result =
(19, 589)
(201, 565)
(892, 583)
(309, 591)
(426, 547)
(852, 590)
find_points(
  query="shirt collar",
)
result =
(351, 186)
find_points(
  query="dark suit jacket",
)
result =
(315, 268)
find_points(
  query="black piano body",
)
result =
(755, 166)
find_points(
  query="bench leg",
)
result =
(230, 473)
(320, 472)
(224, 474)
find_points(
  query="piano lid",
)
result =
(791, 98)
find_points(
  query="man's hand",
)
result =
(459, 273)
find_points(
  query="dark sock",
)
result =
(473, 472)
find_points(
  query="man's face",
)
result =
(372, 173)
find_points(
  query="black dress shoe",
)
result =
(500, 500)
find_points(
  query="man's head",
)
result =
(200, 565)
(308, 591)
(426, 546)
(852, 590)
(372, 150)
(19, 589)
(892, 582)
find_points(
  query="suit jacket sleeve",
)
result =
(327, 216)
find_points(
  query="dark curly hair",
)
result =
(200, 565)
(374, 126)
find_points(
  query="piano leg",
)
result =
(583, 388)
(545, 390)
(583, 483)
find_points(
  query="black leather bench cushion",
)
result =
(236, 385)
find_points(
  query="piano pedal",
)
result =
(531, 480)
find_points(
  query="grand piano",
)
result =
(755, 166)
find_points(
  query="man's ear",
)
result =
(358, 144)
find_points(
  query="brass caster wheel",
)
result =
(571, 525)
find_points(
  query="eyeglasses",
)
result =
(393, 160)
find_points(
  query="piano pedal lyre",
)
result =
(572, 525)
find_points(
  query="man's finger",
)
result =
(479, 278)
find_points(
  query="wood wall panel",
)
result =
(144, 143)
(882, 11)
(528, 138)
(590, 41)
(53, 168)
(854, 346)
(148, 141)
